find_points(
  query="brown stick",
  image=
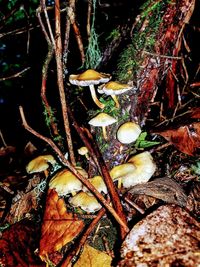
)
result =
(98, 159)
(71, 16)
(18, 74)
(58, 54)
(45, 67)
(74, 171)
(71, 256)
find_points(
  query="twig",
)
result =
(74, 171)
(18, 74)
(88, 27)
(43, 90)
(45, 70)
(71, 15)
(66, 45)
(74, 254)
(2, 139)
(98, 159)
(58, 54)
(162, 56)
(134, 205)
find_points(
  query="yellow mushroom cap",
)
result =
(114, 88)
(83, 150)
(98, 183)
(89, 77)
(65, 182)
(40, 163)
(102, 119)
(144, 169)
(122, 171)
(128, 132)
(85, 201)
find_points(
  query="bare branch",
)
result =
(58, 54)
(18, 74)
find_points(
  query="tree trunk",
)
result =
(151, 58)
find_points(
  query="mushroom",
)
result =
(114, 88)
(144, 169)
(86, 202)
(65, 182)
(83, 151)
(122, 171)
(102, 120)
(128, 132)
(98, 183)
(40, 164)
(90, 78)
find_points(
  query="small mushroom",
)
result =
(122, 171)
(65, 182)
(90, 78)
(102, 120)
(128, 132)
(98, 183)
(40, 164)
(83, 151)
(85, 201)
(114, 88)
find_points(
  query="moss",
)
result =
(143, 39)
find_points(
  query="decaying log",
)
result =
(155, 65)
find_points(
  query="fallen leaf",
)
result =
(24, 202)
(186, 138)
(17, 245)
(92, 257)
(164, 188)
(58, 227)
(169, 236)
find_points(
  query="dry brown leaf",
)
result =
(164, 188)
(58, 227)
(185, 138)
(17, 246)
(168, 236)
(24, 202)
(21, 208)
(92, 257)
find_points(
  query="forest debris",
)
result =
(17, 245)
(59, 227)
(164, 188)
(25, 201)
(169, 236)
(193, 202)
(186, 138)
(92, 257)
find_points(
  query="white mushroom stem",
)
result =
(94, 97)
(104, 133)
(116, 101)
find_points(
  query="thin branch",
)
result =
(58, 54)
(73, 170)
(71, 257)
(44, 9)
(48, 109)
(88, 27)
(71, 15)
(18, 74)
(66, 44)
